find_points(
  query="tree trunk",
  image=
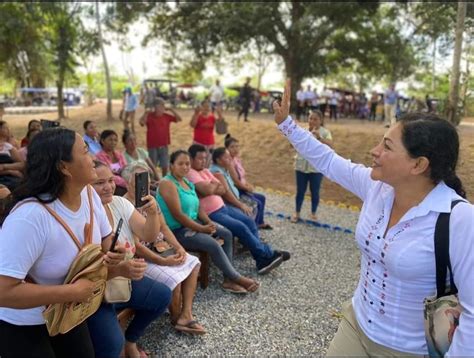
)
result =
(433, 67)
(296, 78)
(452, 108)
(60, 84)
(106, 65)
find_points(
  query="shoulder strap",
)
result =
(443, 263)
(88, 229)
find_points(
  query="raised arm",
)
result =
(195, 116)
(353, 177)
(461, 247)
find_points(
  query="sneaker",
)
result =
(284, 254)
(273, 263)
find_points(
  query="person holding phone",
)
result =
(34, 243)
(411, 181)
(149, 297)
(173, 267)
(193, 228)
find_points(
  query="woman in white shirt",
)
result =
(33, 243)
(178, 271)
(412, 181)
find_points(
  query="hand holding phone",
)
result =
(116, 236)
(141, 188)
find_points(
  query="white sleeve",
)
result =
(21, 244)
(353, 177)
(125, 207)
(461, 252)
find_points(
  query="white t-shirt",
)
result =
(33, 242)
(5, 148)
(217, 93)
(121, 208)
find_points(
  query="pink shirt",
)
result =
(239, 169)
(115, 167)
(208, 203)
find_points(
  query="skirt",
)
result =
(171, 276)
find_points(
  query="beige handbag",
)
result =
(442, 311)
(118, 289)
(60, 318)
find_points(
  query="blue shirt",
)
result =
(131, 103)
(390, 97)
(94, 145)
(218, 169)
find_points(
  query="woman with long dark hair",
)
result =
(34, 244)
(411, 182)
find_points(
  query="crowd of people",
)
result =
(201, 201)
(89, 184)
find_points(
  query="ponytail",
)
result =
(453, 181)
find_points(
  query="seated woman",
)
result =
(149, 298)
(180, 204)
(221, 164)
(179, 271)
(113, 158)
(23, 151)
(237, 173)
(133, 153)
(11, 163)
(34, 124)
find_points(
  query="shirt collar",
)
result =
(438, 200)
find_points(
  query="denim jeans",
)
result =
(220, 255)
(302, 180)
(149, 300)
(260, 199)
(245, 229)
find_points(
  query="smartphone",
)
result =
(141, 188)
(46, 123)
(116, 236)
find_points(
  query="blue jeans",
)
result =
(302, 180)
(149, 300)
(260, 199)
(245, 229)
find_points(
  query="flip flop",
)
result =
(294, 219)
(240, 291)
(253, 287)
(190, 328)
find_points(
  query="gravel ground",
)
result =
(293, 313)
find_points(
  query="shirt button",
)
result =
(370, 321)
(373, 280)
(378, 237)
(371, 302)
(373, 261)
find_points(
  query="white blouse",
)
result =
(398, 270)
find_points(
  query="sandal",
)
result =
(233, 287)
(265, 227)
(252, 287)
(190, 328)
(294, 219)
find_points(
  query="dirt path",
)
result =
(268, 157)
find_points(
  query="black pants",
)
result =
(35, 342)
(373, 111)
(333, 111)
(245, 109)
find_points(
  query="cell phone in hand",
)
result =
(116, 236)
(141, 188)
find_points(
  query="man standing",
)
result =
(390, 105)
(300, 98)
(158, 136)
(216, 95)
(245, 100)
(210, 191)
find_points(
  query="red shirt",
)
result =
(158, 130)
(204, 130)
